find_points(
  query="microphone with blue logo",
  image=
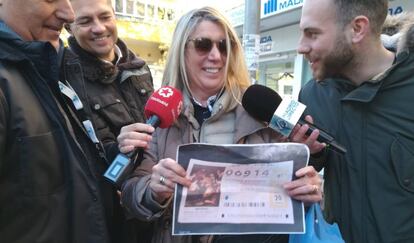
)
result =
(266, 105)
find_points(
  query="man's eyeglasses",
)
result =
(204, 45)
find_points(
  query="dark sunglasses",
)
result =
(204, 45)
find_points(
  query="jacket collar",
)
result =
(42, 54)
(367, 91)
(397, 36)
(97, 70)
(249, 126)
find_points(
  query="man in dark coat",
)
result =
(114, 86)
(363, 95)
(49, 167)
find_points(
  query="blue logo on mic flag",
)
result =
(281, 125)
(286, 116)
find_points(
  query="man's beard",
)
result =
(339, 60)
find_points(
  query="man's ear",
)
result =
(360, 28)
(67, 27)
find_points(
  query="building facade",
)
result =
(147, 27)
(280, 67)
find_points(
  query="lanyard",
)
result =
(87, 124)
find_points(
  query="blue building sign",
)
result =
(272, 7)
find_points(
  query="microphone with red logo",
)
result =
(161, 110)
(163, 107)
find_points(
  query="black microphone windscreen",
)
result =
(261, 102)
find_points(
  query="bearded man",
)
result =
(362, 94)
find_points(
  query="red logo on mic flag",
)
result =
(166, 92)
(165, 103)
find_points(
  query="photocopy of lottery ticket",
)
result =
(233, 193)
(238, 189)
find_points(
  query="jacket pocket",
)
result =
(143, 87)
(41, 164)
(143, 84)
(111, 110)
(402, 156)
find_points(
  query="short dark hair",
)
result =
(375, 10)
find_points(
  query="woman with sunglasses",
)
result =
(206, 63)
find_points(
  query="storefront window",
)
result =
(130, 7)
(150, 11)
(140, 9)
(170, 14)
(161, 13)
(278, 76)
(119, 6)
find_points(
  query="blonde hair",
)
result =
(236, 74)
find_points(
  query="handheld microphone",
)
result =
(161, 110)
(266, 105)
